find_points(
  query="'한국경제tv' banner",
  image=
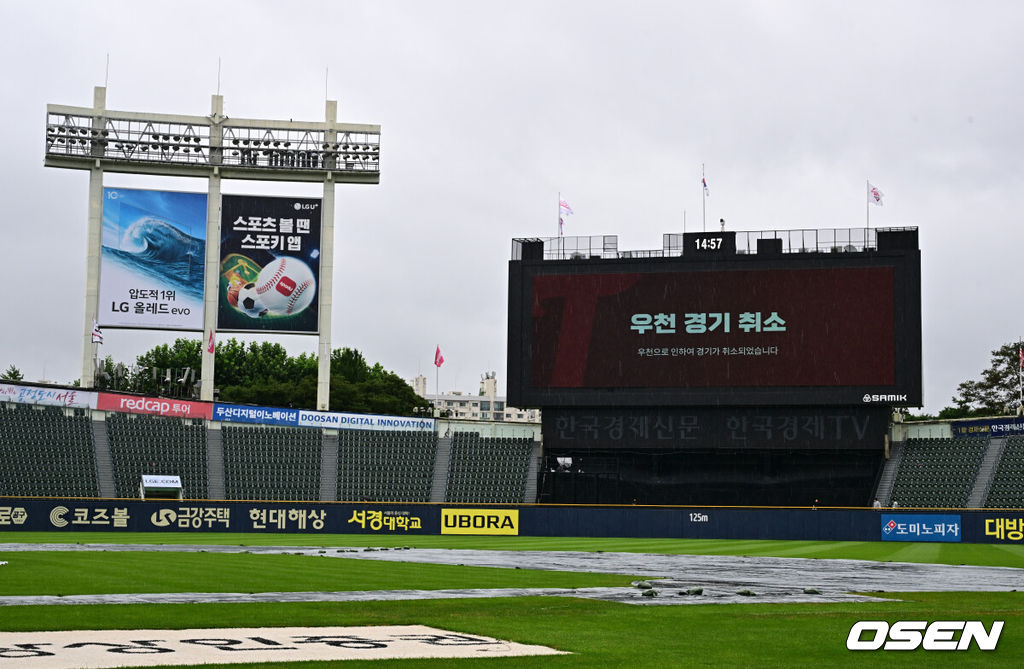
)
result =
(270, 264)
(151, 269)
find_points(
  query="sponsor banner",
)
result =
(480, 521)
(56, 397)
(129, 515)
(202, 516)
(252, 645)
(1001, 427)
(249, 414)
(1004, 528)
(270, 264)
(351, 421)
(707, 427)
(921, 527)
(160, 406)
(387, 520)
(150, 481)
(151, 264)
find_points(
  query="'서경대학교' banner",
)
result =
(151, 263)
(270, 264)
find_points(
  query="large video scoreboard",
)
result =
(715, 328)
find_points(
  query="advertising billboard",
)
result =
(733, 331)
(151, 263)
(270, 264)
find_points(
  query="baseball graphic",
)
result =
(286, 286)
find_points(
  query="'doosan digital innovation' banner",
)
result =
(151, 264)
(270, 264)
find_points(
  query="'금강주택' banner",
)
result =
(270, 264)
(151, 270)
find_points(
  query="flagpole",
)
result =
(560, 242)
(703, 200)
(867, 202)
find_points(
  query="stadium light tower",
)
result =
(214, 147)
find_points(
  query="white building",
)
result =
(486, 405)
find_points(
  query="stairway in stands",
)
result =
(986, 472)
(530, 494)
(889, 471)
(440, 484)
(329, 468)
(214, 463)
(104, 465)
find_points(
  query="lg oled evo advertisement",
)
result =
(151, 271)
(782, 332)
(270, 264)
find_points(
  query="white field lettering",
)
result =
(912, 634)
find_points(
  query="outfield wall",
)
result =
(973, 526)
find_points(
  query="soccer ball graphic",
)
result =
(249, 301)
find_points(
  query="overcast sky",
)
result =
(488, 110)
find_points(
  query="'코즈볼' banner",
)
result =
(270, 264)
(151, 270)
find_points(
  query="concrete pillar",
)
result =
(94, 247)
(211, 274)
(326, 296)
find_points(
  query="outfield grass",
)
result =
(989, 555)
(599, 634)
(108, 572)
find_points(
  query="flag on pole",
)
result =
(704, 182)
(1020, 351)
(209, 344)
(97, 334)
(438, 358)
(874, 195)
(563, 210)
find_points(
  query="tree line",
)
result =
(261, 373)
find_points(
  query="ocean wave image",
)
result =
(158, 251)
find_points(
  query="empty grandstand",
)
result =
(1007, 489)
(281, 463)
(938, 472)
(487, 469)
(143, 444)
(77, 451)
(395, 466)
(46, 451)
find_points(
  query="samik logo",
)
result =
(913, 634)
(884, 398)
(479, 521)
